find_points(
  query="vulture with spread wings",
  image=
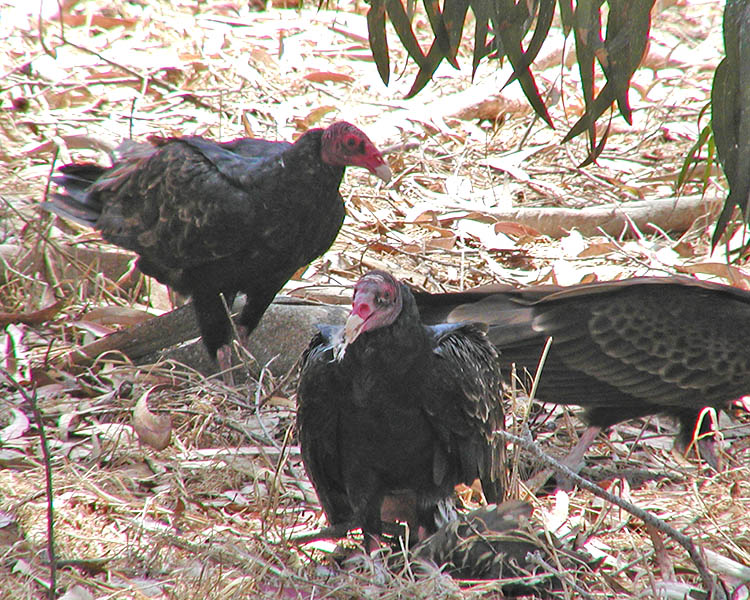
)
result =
(621, 349)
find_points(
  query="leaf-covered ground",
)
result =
(210, 515)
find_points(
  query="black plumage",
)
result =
(621, 349)
(393, 414)
(211, 218)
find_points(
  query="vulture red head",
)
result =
(376, 303)
(344, 145)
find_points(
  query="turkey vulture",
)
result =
(211, 218)
(621, 349)
(493, 542)
(392, 414)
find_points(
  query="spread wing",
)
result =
(660, 343)
(621, 349)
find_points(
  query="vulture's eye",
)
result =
(351, 142)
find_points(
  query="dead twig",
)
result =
(341, 529)
(31, 401)
(147, 79)
(714, 588)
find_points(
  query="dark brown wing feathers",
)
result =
(622, 349)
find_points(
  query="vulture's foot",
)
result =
(224, 358)
(574, 462)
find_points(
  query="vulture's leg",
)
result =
(365, 495)
(256, 305)
(573, 461)
(402, 506)
(700, 428)
(216, 329)
(224, 358)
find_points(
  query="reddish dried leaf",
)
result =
(322, 76)
(99, 21)
(597, 249)
(36, 317)
(516, 229)
(427, 216)
(153, 430)
(313, 117)
(381, 247)
(734, 275)
(442, 242)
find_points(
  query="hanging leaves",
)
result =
(618, 54)
(511, 23)
(378, 41)
(730, 113)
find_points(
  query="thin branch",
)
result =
(31, 400)
(341, 529)
(714, 588)
(535, 558)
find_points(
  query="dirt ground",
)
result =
(482, 192)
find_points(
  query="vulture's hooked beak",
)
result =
(352, 329)
(384, 172)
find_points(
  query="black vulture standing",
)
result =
(211, 218)
(392, 413)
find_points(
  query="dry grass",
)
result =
(210, 516)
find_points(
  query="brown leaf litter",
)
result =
(209, 515)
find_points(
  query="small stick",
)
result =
(714, 588)
(536, 559)
(31, 400)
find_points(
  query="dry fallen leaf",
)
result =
(35, 317)
(117, 315)
(736, 276)
(18, 426)
(77, 592)
(321, 76)
(153, 430)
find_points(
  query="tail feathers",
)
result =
(68, 207)
(77, 203)
(79, 175)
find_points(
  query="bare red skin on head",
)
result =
(345, 145)
(376, 301)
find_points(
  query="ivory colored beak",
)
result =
(384, 172)
(353, 328)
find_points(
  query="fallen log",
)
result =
(668, 214)
(283, 333)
